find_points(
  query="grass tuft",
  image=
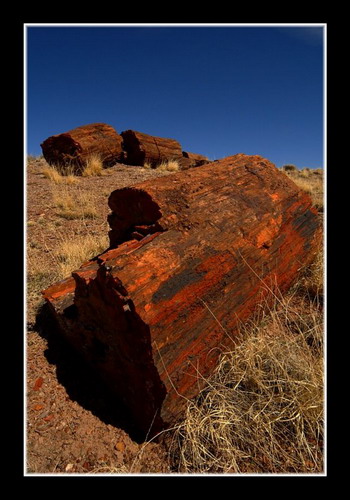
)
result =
(59, 174)
(164, 166)
(311, 181)
(71, 252)
(74, 250)
(74, 204)
(169, 166)
(289, 168)
(94, 166)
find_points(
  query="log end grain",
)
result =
(142, 148)
(75, 147)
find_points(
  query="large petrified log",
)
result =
(75, 147)
(143, 148)
(192, 254)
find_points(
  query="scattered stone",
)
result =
(38, 383)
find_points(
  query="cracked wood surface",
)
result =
(73, 148)
(143, 148)
(153, 313)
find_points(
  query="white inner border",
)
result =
(179, 25)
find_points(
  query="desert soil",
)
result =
(73, 426)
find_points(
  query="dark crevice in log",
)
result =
(159, 154)
(193, 160)
(134, 215)
(142, 148)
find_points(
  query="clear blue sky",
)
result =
(217, 90)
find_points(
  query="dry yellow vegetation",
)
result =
(74, 203)
(311, 181)
(262, 409)
(165, 166)
(68, 175)
(73, 250)
(58, 176)
(94, 166)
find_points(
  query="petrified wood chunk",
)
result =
(195, 159)
(194, 253)
(143, 148)
(73, 148)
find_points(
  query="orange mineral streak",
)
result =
(140, 282)
(275, 197)
(213, 269)
(125, 249)
(59, 289)
(265, 237)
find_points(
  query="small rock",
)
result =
(120, 446)
(69, 467)
(38, 383)
(48, 418)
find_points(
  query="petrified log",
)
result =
(75, 147)
(143, 148)
(196, 160)
(192, 255)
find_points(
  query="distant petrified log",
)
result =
(75, 147)
(195, 160)
(143, 148)
(194, 254)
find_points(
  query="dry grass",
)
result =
(164, 166)
(73, 250)
(94, 166)
(313, 188)
(45, 266)
(72, 203)
(262, 409)
(68, 174)
(122, 469)
(311, 283)
(59, 175)
(289, 168)
(311, 181)
(169, 166)
(40, 274)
